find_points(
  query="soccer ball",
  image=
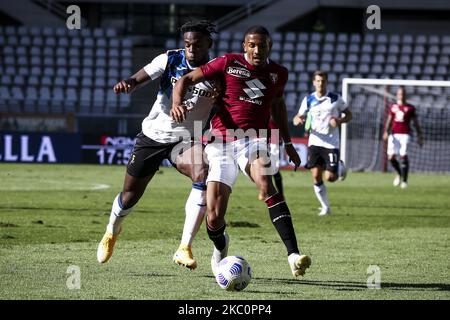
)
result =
(234, 273)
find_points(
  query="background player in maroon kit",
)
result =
(397, 132)
(253, 91)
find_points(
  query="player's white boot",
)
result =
(219, 255)
(403, 185)
(325, 211)
(298, 264)
(342, 170)
(396, 182)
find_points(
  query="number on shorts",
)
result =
(333, 157)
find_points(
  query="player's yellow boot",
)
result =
(183, 257)
(299, 264)
(106, 246)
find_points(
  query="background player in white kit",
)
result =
(325, 109)
(397, 132)
(162, 138)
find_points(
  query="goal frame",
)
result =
(368, 81)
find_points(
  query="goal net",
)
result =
(362, 146)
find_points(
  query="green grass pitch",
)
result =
(53, 216)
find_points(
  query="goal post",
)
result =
(362, 147)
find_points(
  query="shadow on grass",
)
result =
(355, 286)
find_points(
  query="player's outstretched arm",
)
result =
(179, 110)
(139, 79)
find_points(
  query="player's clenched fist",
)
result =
(124, 86)
(178, 112)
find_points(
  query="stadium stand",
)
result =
(420, 57)
(58, 71)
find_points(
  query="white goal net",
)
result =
(362, 146)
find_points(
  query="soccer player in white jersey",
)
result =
(325, 110)
(162, 138)
(397, 133)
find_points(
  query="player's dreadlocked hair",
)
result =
(204, 26)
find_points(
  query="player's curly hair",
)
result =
(204, 26)
(257, 30)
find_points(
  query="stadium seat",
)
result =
(366, 58)
(417, 59)
(299, 66)
(288, 46)
(325, 67)
(330, 38)
(301, 47)
(352, 58)
(342, 38)
(428, 70)
(46, 81)
(431, 60)
(376, 68)
(328, 47)
(402, 69)
(394, 39)
(342, 48)
(369, 38)
(381, 48)
(392, 59)
(353, 48)
(313, 57)
(338, 67)
(379, 58)
(300, 56)
(303, 37)
(314, 47)
(415, 69)
(355, 38)
(290, 37)
(442, 70)
(311, 67)
(114, 43)
(327, 57)
(315, 37)
(445, 40)
(275, 56)
(363, 68)
(6, 80)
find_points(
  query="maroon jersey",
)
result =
(401, 117)
(248, 91)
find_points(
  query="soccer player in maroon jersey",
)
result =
(397, 132)
(253, 91)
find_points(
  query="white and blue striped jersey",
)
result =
(159, 125)
(321, 110)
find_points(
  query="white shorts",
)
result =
(226, 159)
(275, 155)
(398, 144)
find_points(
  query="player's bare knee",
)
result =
(199, 173)
(215, 220)
(129, 199)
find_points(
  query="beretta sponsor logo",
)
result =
(238, 72)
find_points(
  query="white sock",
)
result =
(195, 212)
(321, 194)
(117, 215)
